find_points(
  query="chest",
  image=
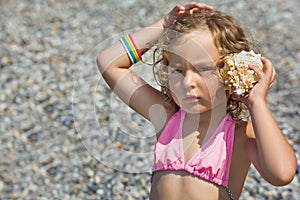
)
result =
(195, 141)
(191, 144)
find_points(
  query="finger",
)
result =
(177, 9)
(257, 70)
(194, 10)
(192, 5)
(273, 77)
(274, 74)
(268, 67)
(205, 6)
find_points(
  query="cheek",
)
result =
(175, 88)
(174, 83)
(215, 87)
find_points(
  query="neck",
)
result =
(209, 120)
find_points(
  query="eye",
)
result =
(177, 71)
(206, 69)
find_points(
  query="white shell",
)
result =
(238, 78)
(247, 58)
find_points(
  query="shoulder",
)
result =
(162, 118)
(240, 131)
(245, 129)
(246, 140)
(244, 136)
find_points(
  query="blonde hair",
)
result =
(228, 35)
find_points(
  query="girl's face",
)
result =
(193, 76)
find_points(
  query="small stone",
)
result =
(97, 179)
(89, 172)
(100, 192)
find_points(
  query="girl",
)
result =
(205, 146)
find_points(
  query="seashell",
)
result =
(248, 58)
(236, 75)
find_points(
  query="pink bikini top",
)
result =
(211, 162)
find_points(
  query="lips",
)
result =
(191, 98)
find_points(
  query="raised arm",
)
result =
(114, 65)
(270, 152)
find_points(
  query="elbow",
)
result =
(284, 180)
(285, 175)
(100, 64)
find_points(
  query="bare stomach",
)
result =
(180, 185)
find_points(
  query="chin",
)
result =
(195, 109)
(203, 109)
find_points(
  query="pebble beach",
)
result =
(63, 133)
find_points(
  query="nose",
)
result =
(189, 79)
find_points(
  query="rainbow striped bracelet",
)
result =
(131, 48)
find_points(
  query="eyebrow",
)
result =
(211, 65)
(199, 63)
(176, 65)
(204, 64)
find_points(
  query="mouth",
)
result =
(191, 98)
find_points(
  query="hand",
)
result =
(265, 77)
(182, 11)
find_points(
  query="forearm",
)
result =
(114, 64)
(276, 157)
(116, 57)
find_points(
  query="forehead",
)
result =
(195, 48)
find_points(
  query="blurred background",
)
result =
(64, 135)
